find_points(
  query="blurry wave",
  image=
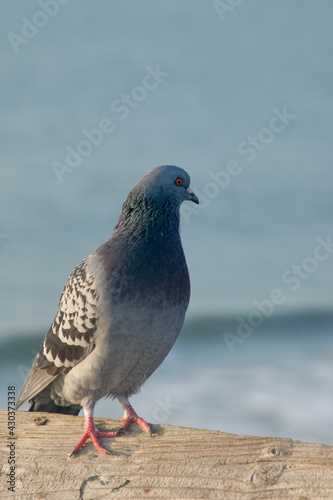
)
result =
(291, 322)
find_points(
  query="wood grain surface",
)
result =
(177, 463)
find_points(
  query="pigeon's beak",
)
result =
(191, 196)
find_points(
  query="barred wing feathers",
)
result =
(71, 336)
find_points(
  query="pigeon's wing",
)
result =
(71, 336)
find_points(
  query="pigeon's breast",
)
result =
(146, 269)
(138, 341)
(145, 298)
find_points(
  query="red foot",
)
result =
(132, 417)
(93, 433)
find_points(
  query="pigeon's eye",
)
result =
(179, 181)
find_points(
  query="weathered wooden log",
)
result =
(176, 463)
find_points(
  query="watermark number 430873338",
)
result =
(11, 438)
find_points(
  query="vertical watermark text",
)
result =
(11, 475)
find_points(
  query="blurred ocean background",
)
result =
(241, 97)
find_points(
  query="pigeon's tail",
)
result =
(45, 402)
(52, 407)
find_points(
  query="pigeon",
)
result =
(120, 311)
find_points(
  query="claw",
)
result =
(93, 433)
(120, 432)
(132, 417)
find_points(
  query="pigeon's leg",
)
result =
(92, 432)
(130, 416)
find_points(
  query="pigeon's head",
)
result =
(157, 197)
(166, 184)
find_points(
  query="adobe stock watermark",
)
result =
(277, 124)
(121, 108)
(30, 27)
(249, 148)
(223, 7)
(292, 278)
(3, 237)
(163, 410)
(23, 370)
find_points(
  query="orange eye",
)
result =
(179, 181)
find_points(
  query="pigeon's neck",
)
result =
(146, 237)
(145, 215)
